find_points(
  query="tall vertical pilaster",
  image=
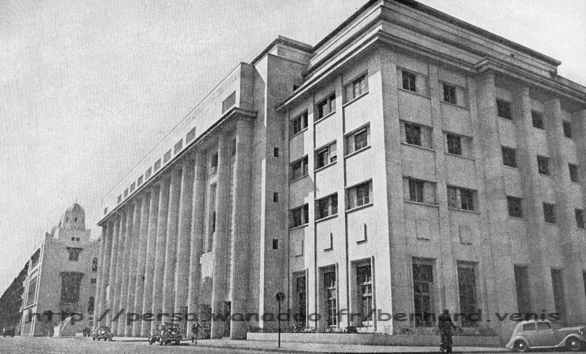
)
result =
(221, 235)
(569, 237)
(197, 232)
(448, 267)
(183, 241)
(241, 226)
(132, 261)
(121, 329)
(492, 201)
(119, 272)
(159, 258)
(140, 263)
(112, 268)
(171, 243)
(527, 157)
(100, 280)
(149, 267)
(579, 136)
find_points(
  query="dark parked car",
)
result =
(168, 334)
(102, 333)
(540, 335)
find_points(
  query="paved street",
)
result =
(42, 345)
(83, 345)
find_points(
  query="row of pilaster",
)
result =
(152, 246)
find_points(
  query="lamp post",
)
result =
(280, 297)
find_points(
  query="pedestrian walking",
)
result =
(194, 331)
(446, 326)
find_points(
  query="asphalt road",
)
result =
(43, 345)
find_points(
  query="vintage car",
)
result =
(167, 334)
(102, 333)
(537, 334)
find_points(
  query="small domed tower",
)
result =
(74, 218)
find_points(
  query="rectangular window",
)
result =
(515, 207)
(420, 191)
(454, 144)
(358, 139)
(504, 109)
(543, 165)
(326, 106)
(364, 287)
(178, 146)
(299, 168)
(579, 213)
(229, 101)
(359, 195)
(468, 292)
(326, 206)
(356, 88)
(549, 213)
(422, 292)
(537, 119)
(509, 156)
(331, 296)
(326, 156)
(450, 94)
(298, 124)
(522, 287)
(415, 134)
(557, 284)
(409, 81)
(214, 163)
(70, 285)
(461, 198)
(299, 216)
(32, 289)
(573, 172)
(92, 280)
(567, 126)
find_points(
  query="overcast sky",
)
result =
(88, 87)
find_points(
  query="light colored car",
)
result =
(541, 335)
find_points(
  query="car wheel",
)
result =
(520, 346)
(573, 344)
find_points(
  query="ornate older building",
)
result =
(407, 163)
(60, 286)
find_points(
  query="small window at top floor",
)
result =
(409, 81)
(326, 106)
(504, 109)
(537, 119)
(450, 95)
(567, 126)
(356, 88)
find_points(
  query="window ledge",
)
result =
(298, 227)
(415, 93)
(356, 152)
(293, 181)
(430, 205)
(511, 167)
(324, 117)
(298, 133)
(298, 255)
(517, 218)
(418, 146)
(348, 211)
(465, 108)
(464, 210)
(326, 218)
(425, 239)
(355, 99)
(324, 167)
(360, 242)
(460, 156)
(329, 249)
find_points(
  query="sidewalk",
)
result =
(290, 347)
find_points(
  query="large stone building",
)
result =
(408, 162)
(60, 286)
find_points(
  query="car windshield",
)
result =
(529, 327)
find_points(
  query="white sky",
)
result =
(88, 87)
